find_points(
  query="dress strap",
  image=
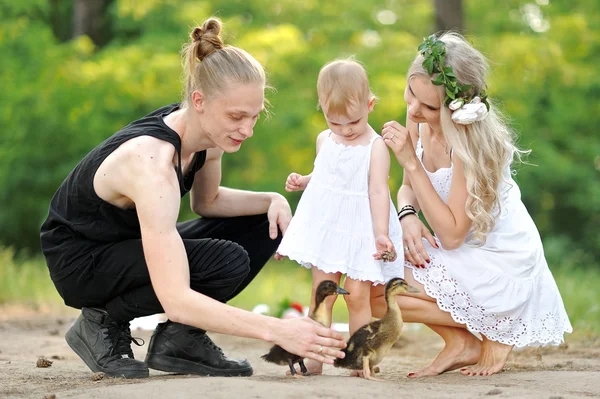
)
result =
(373, 138)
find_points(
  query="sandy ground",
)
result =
(570, 371)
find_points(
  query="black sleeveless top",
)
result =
(79, 222)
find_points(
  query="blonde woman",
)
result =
(115, 250)
(484, 271)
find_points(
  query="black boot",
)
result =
(105, 344)
(178, 348)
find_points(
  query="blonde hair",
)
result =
(342, 83)
(210, 66)
(485, 147)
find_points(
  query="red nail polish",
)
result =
(428, 261)
(463, 369)
(411, 374)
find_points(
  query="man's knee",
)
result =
(219, 264)
(237, 262)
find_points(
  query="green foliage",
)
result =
(433, 51)
(61, 98)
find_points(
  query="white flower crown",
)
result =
(476, 109)
(467, 113)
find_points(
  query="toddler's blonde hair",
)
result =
(341, 84)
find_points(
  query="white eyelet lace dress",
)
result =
(503, 289)
(332, 228)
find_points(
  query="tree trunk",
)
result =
(448, 15)
(59, 16)
(90, 17)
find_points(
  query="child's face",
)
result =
(352, 124)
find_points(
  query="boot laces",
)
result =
(206, 339)
(120, 336)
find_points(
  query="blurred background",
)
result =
(72, 72)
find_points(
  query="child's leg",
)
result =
(359, 307)
(358, 302)
(313, 366)
(317, 277)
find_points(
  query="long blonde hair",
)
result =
(487, 147)
(210, 66)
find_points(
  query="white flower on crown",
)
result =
(456, 104)
(474, 111)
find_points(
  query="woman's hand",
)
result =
(309, 339)
(385, 249)
(296, 182)
(413, 230)
(397, 138)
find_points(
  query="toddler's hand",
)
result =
(295, 182)
(385, 249)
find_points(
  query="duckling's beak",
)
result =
(412, 289)
(341, 291)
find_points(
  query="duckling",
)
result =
(370, 343)
(280, 356)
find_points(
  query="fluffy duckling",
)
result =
(280, 356)
(370, 343)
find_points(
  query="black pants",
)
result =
(224, 254)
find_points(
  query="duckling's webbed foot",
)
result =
(367, 370)
(303, 368)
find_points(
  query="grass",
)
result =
(283, 281)
(580, 292)
(27, 282)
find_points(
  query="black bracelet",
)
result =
(406, 213)
(407, 208)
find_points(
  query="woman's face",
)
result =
(423, 101)
(228, 118)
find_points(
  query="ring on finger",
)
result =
(406, 249)
(320, 349)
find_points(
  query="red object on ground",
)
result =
(297, 306)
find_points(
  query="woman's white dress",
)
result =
(503, 289)
(332, 228)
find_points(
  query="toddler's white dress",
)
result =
(332, 228)
(503, 289)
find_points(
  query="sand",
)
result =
(569, 371)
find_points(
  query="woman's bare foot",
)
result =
(492, 360)
(313, 367)
(463, 350)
